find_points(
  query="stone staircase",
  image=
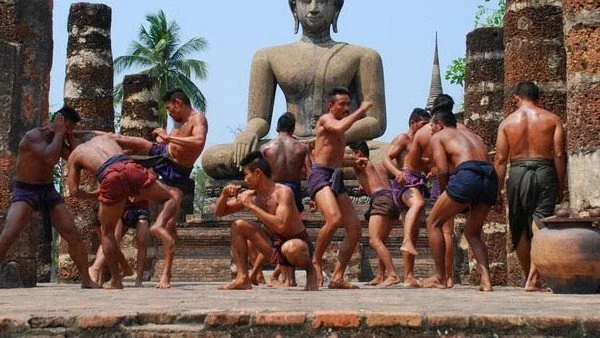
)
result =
(203, 247)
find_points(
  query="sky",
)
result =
(403, 32)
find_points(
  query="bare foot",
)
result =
(113, 284)
(138, 283)
(127, 271)
(311, 281)
(434, 283)
(485, 287)
(409, 248)
(450, 283)
(537, 289)
(95, 275)
(319, 273)
(341, 285)
(275, 283)
(165, 282)
(411, 282)
(391, 280)
(89, 284)
(257, 278)
(237, 285)
(375, 281)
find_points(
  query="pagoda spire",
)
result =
(435, 88)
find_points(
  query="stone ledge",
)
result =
(235, 323)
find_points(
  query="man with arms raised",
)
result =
(39, 151)
(474, 185)
(274, 206)
(533, 140)
(175, 154)
(382, 213)
(326, 184)
(119, 178)
(409, 185)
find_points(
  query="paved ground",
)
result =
(64, 306)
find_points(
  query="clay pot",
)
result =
(567, 255)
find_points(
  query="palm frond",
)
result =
(190, 88)
(192, 46)
(125, 62)
(118, 94)
(191, 67)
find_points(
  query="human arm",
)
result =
(261, 97)
(501, 158)
(307, 162)
(398, 146)
(371, 88)
(51, 152)
(274, 223)
(560, 162)
(441, 161)
(226, 205)
(74, 179)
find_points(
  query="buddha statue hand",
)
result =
(244, 144)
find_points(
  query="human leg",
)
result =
(327, 203)
(378, 228)
(141, 241)
(64, 225)
(353, 232)
(109, 215)
(416, 204)
(448, 230)
(296, 252)
(473, 228)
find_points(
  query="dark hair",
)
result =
(337, 91)
(176, 94)
(527, 90)
(256, 160)
(69, 113)
(447, 118)
(286, 123)
(360, 146)
(442, 102)
(418, 114)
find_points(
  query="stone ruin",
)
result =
(555, 43)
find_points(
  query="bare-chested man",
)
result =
(274, 206)
(326, 184)
(39, 151)
(119, 178)
(409, 187)
(176, 154)
(290, 162)
(533, 140)
(474, 185)
(382, 214)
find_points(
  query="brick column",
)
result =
(534, 50)
(484, 104)
(25, 62)
(88, 89)
(582, 42)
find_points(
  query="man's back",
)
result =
(287, 158)
(93, 153)
(461, 145)
(530, 133)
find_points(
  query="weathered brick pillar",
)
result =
(25, 62)
(582, 42)
(88, 89)
(484, 104)
(534, 50)
(139, 117)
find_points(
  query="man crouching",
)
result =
(275, 207)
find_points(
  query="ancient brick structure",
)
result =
(88, 89)
(534, 50)
(25, 62)
(582, 42)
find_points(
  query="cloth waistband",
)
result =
(23, 185)
(115, 159)
(475, 166)
(380, 192)
(532, 162)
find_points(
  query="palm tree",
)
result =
(158, 52)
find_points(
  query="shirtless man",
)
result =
(474, 185)
(419, 155)
(39, 151)
(136, 216)
(119, 178)
(533, 139)
(326, 184)
(409, 187)
(290, 162)
(382, 213)
(175, 154)
(274, 205)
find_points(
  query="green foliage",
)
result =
(456, 72)
(201, 179)
(490, 17)
(159, 52)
